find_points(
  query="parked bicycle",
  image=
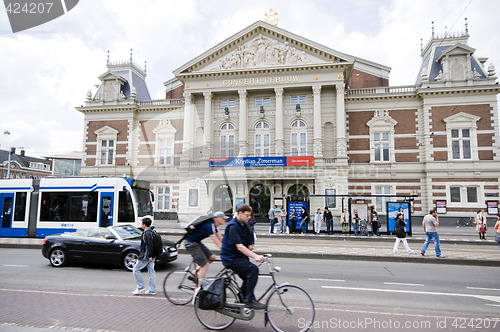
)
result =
(179, 284)
(288, 307)
(464, 222)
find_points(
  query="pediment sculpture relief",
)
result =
(262, 52)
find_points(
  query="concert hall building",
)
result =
(267, 115)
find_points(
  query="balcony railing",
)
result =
(381, 90)
(162, 102)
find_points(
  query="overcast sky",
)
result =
(45, 72)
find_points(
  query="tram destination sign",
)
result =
(262, 161)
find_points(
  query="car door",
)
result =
(102, 249)
(6, 208)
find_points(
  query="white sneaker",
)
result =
(411, 251)
(196, 290)
(149, 292)
(138, 291)
(396, 251)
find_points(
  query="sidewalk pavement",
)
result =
(459, 246)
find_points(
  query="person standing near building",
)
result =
(283, 220)
(480, 222)
(293, 221)
(356, 220)
(318, 219)
(146, 259)
(305, 221)
(430, 224)
(272, 218)
(344, 221)
(497, 230)
(328, 218)
(373, 221)
(400, 232)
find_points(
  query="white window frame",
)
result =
(262, 139)
(164, 143)
(229, 103)
(381, 202)
(382, 123)
(298, 138)
(190, 198)
(163, 195)
(461, 121)
(294, 100)
(106, 134)
(263, 101)
(464, 195)
(227, 133)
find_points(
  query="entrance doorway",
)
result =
(223, 199)
(260, 201)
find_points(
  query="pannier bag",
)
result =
(212, 294)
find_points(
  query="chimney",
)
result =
(12, 150)
(22, 153)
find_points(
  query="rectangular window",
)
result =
(294, 100)
(125, 207)
(265, 101)
(455, 194)
(20, 207)
(472, 195)
(330, 202)
(165, 152)
(163, 199)
(461, 144)
(380, 201)
(229, 103)
(69, 206)
(107, 152)
(193, 197)
(381, 146)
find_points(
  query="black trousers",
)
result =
(248, 272)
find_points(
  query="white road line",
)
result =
(402, 284)
(318, 279)
(482, 297)
(481, 288)
(14, 265)
(83, 295)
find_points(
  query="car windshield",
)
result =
(128, 232)
(143, 198)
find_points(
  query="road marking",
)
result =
(481, 288)
(318, 279)
(482, 297)
(83, 295)
(14, 265)
(402, 284)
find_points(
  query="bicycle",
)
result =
(179, 284)
(288, 307)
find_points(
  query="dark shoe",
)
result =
(422, 253)
(256, 305)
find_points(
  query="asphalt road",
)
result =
(348, 290)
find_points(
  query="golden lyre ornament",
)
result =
(272, 17)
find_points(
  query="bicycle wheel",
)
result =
(290, 308)
(214, 319)
(178, 288)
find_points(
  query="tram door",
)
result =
(106, 215)
(6, 207)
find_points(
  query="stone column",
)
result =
(188, 126)
(243, 126)
(280, 142)
(207, 125)
(341, 125)
(317, 127)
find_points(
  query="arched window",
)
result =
(262, 139)
(298, 139)
(227, 140)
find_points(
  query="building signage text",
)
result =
(261, 81)
(262, 161)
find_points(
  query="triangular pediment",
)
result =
(111, 76)
(261, 46)
(457, 49)
(462, 118)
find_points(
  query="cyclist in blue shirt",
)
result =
(201, 254)
(237, 248)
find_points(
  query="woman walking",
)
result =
(400, 232)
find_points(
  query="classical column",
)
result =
(341, 126)
(188, 126)
(317, 127)
(243, 127)
(207, 125)
(280, 142)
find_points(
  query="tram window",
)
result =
(125, 207)
(20, 208)
(72, 206)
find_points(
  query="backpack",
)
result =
(157, 244)
(212, 294)
(194, 225)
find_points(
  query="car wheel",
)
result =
(57, 257)
(129, 259)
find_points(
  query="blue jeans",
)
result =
(303, 227)
(283, 225)
(151, 272)
(272, 221)
(435, 238)
(356, 228)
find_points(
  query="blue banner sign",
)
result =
(248, 162)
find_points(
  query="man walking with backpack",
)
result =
(147, 258)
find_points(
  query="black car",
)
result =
(116, 245)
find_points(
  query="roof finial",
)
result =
(466, 27)
(421, 45)
(432, 29)
(107, 61)
(145, 66)
(130, 55)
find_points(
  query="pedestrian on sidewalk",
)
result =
(293, 220)
(480, 222)
(328, 218)
(146, 259)
(344, 221)
(400, 232)
(272, 218)
(356, 220)
(497, 230)
(430, 224)
(318, 219)
(305, 221)
(283, 219)
(373, 221)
